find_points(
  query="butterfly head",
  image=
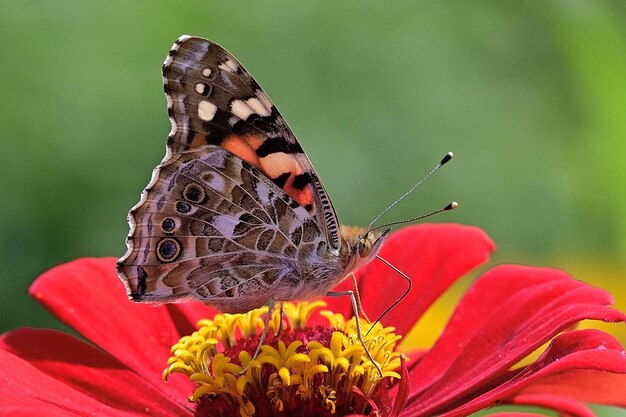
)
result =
(361, 245)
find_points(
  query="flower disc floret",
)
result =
(314, 370)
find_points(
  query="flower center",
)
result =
(303, 370)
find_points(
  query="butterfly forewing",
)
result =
(212, 99)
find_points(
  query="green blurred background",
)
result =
(531, 97)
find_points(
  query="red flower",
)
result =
(509, 312)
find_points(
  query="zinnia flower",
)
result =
(314, 366)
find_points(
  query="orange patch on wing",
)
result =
(244, 147)
(304, 197)
(273, 165)
(278, 163)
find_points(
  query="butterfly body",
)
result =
(235, 215)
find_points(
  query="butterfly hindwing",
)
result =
(212, 227)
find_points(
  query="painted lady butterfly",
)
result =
(235, 215)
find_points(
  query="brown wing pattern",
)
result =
(212, 227)
(213, 100)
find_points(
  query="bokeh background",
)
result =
(531, 97)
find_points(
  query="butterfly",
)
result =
(235, 215)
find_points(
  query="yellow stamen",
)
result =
(290, 371)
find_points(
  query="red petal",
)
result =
(594, 384)
(432, 255)
(598, 387)
(515, 414)
(590, 350)
(88, 370)
(87, 295)
(24, 386)
(34, 411)
(509, 311)
(414, 358)
(565, 406)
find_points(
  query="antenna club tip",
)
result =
(452, 206)
(446, 158)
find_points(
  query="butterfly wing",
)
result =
(213, 100)
(214, 228)
(235, 206)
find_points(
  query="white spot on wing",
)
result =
(229, 66)
(241, 109)
(206, 110)
(258, 107)
(206, 72)
(200, 88)
(232, 64)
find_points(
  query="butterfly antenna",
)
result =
(445, 160)
(395, 303)
(450, 206)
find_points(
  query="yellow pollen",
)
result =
(286, 371)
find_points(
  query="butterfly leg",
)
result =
(268, 318)
(358, 298)
(359, 334)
